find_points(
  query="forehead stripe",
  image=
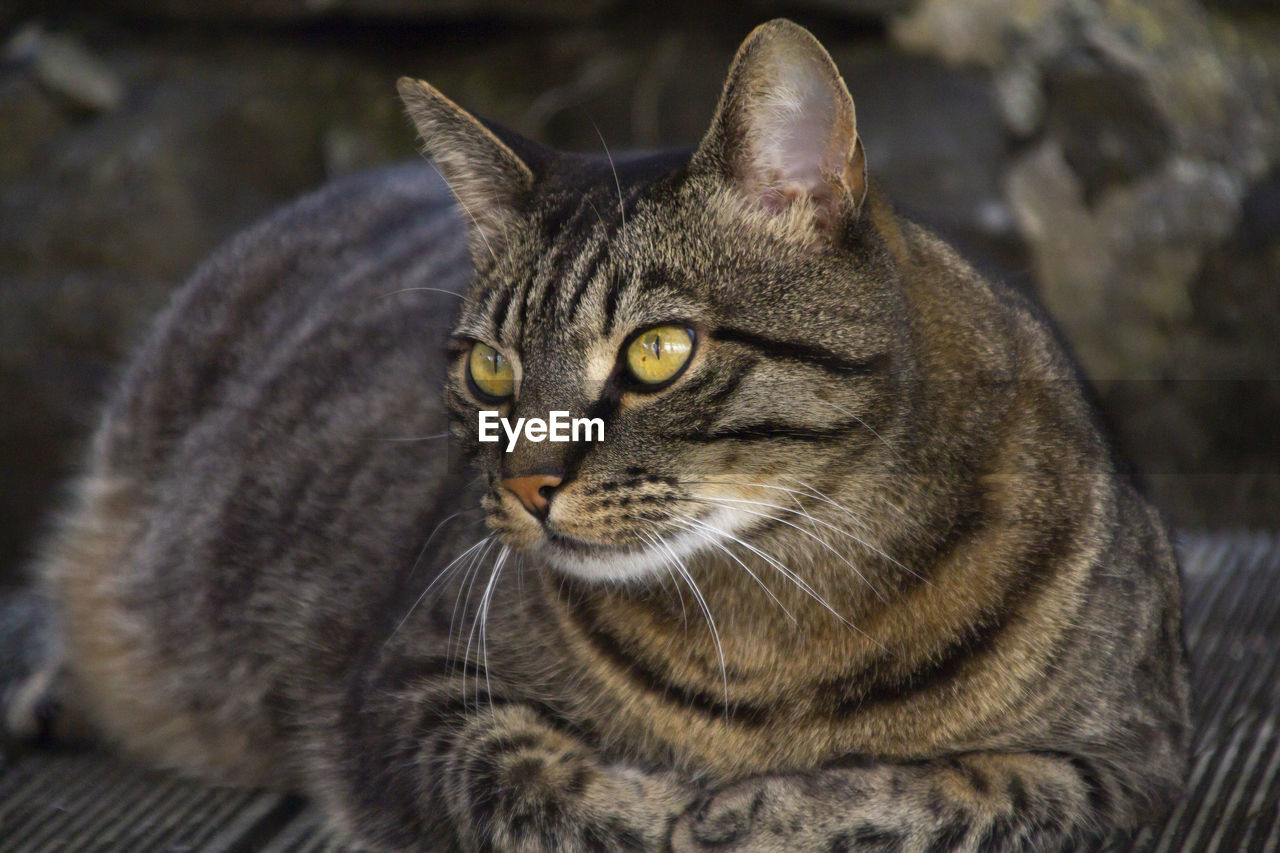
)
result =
(570, 311)
(552, 271)
(501, 305)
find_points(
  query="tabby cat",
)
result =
(850, 569)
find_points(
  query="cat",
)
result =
(848, 566)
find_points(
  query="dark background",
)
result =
(1116, 157)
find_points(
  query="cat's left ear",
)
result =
(489, 180)
(785, 133)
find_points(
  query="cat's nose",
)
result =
(534, 492)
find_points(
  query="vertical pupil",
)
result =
(655, 344)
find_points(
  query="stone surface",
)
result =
(64, 67)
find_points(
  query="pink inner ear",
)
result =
(795, 134)
(798, 139)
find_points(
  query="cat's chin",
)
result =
(612, 563)
(596, 562)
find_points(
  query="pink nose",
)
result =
(533, 491)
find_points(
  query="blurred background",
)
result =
(1120, 159)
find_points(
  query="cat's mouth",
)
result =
(630, 559)
(564, 549)
(588, 560)
(660, 546)
(578, 546)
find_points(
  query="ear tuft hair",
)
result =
(489, 181)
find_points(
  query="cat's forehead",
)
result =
(585, 271)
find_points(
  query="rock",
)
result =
(66, 68)
(1207, 432)
(1020, 98)
(1109, 129)
(30, 118)
(934, 141)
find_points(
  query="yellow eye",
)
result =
(490, 373)
(657, 355)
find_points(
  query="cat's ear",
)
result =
(489, 181)
(784, 133)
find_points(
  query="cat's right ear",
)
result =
(785, 137)
(489, 181)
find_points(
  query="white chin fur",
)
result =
(648, 562)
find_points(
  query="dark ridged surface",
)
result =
(1233, 629)
(69, 802)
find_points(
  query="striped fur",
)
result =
(863, 578)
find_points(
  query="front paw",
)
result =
(747, 816)
(567, 805)
(524, 786)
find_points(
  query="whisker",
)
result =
(435, 580)
(870, 428)
(711, 541)
(706, 612)
(812, 536)
(410, 437)
(800, 583)
(821, 495)
(684, 614)
(472, 572)
(417, 560)
(828, 525)
(808, 493)
(622, 213)
(424, 290)
(483, 622)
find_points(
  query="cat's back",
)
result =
(278, 437)
(339, 266)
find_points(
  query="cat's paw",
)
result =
(772, 814)
(738, 818)
(525, 786)
(584, 808)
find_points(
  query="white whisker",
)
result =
(800, 583)
(622, 213)
(684, 614)
(711, 622)
(868, 426)
(809, 492)
(443, 572)
(472, 572)
(812, 536)
(828, 525)
(483, 622)
(715, 544)
(424, 290)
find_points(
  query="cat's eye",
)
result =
(490, 374)
(657, 355)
